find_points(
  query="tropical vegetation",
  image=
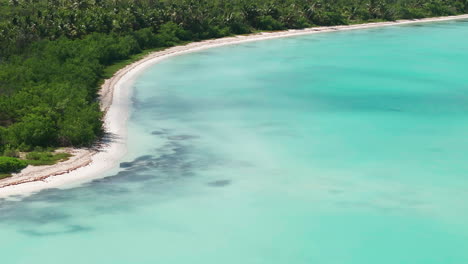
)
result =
(55, 53)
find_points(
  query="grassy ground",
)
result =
(4, 175)
(45, 158)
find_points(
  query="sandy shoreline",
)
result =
(115, 96)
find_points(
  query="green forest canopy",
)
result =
(53, 52)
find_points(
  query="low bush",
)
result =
(10, 164)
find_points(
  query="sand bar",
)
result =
(115, 96)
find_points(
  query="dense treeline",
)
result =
(53, 52)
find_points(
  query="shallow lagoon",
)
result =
(345, 147)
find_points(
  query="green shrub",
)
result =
(412, 13)
(170, 34)
(10, 152)
(238, 25)
(9, 164)
(34, 130)
(437, 8)
(269, 23)
(146, 38)
(3, 137)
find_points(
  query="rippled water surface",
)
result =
(339, 148)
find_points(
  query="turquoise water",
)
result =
(338, 148)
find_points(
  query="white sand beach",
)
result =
(115, 95)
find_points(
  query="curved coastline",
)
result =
(115, 99)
